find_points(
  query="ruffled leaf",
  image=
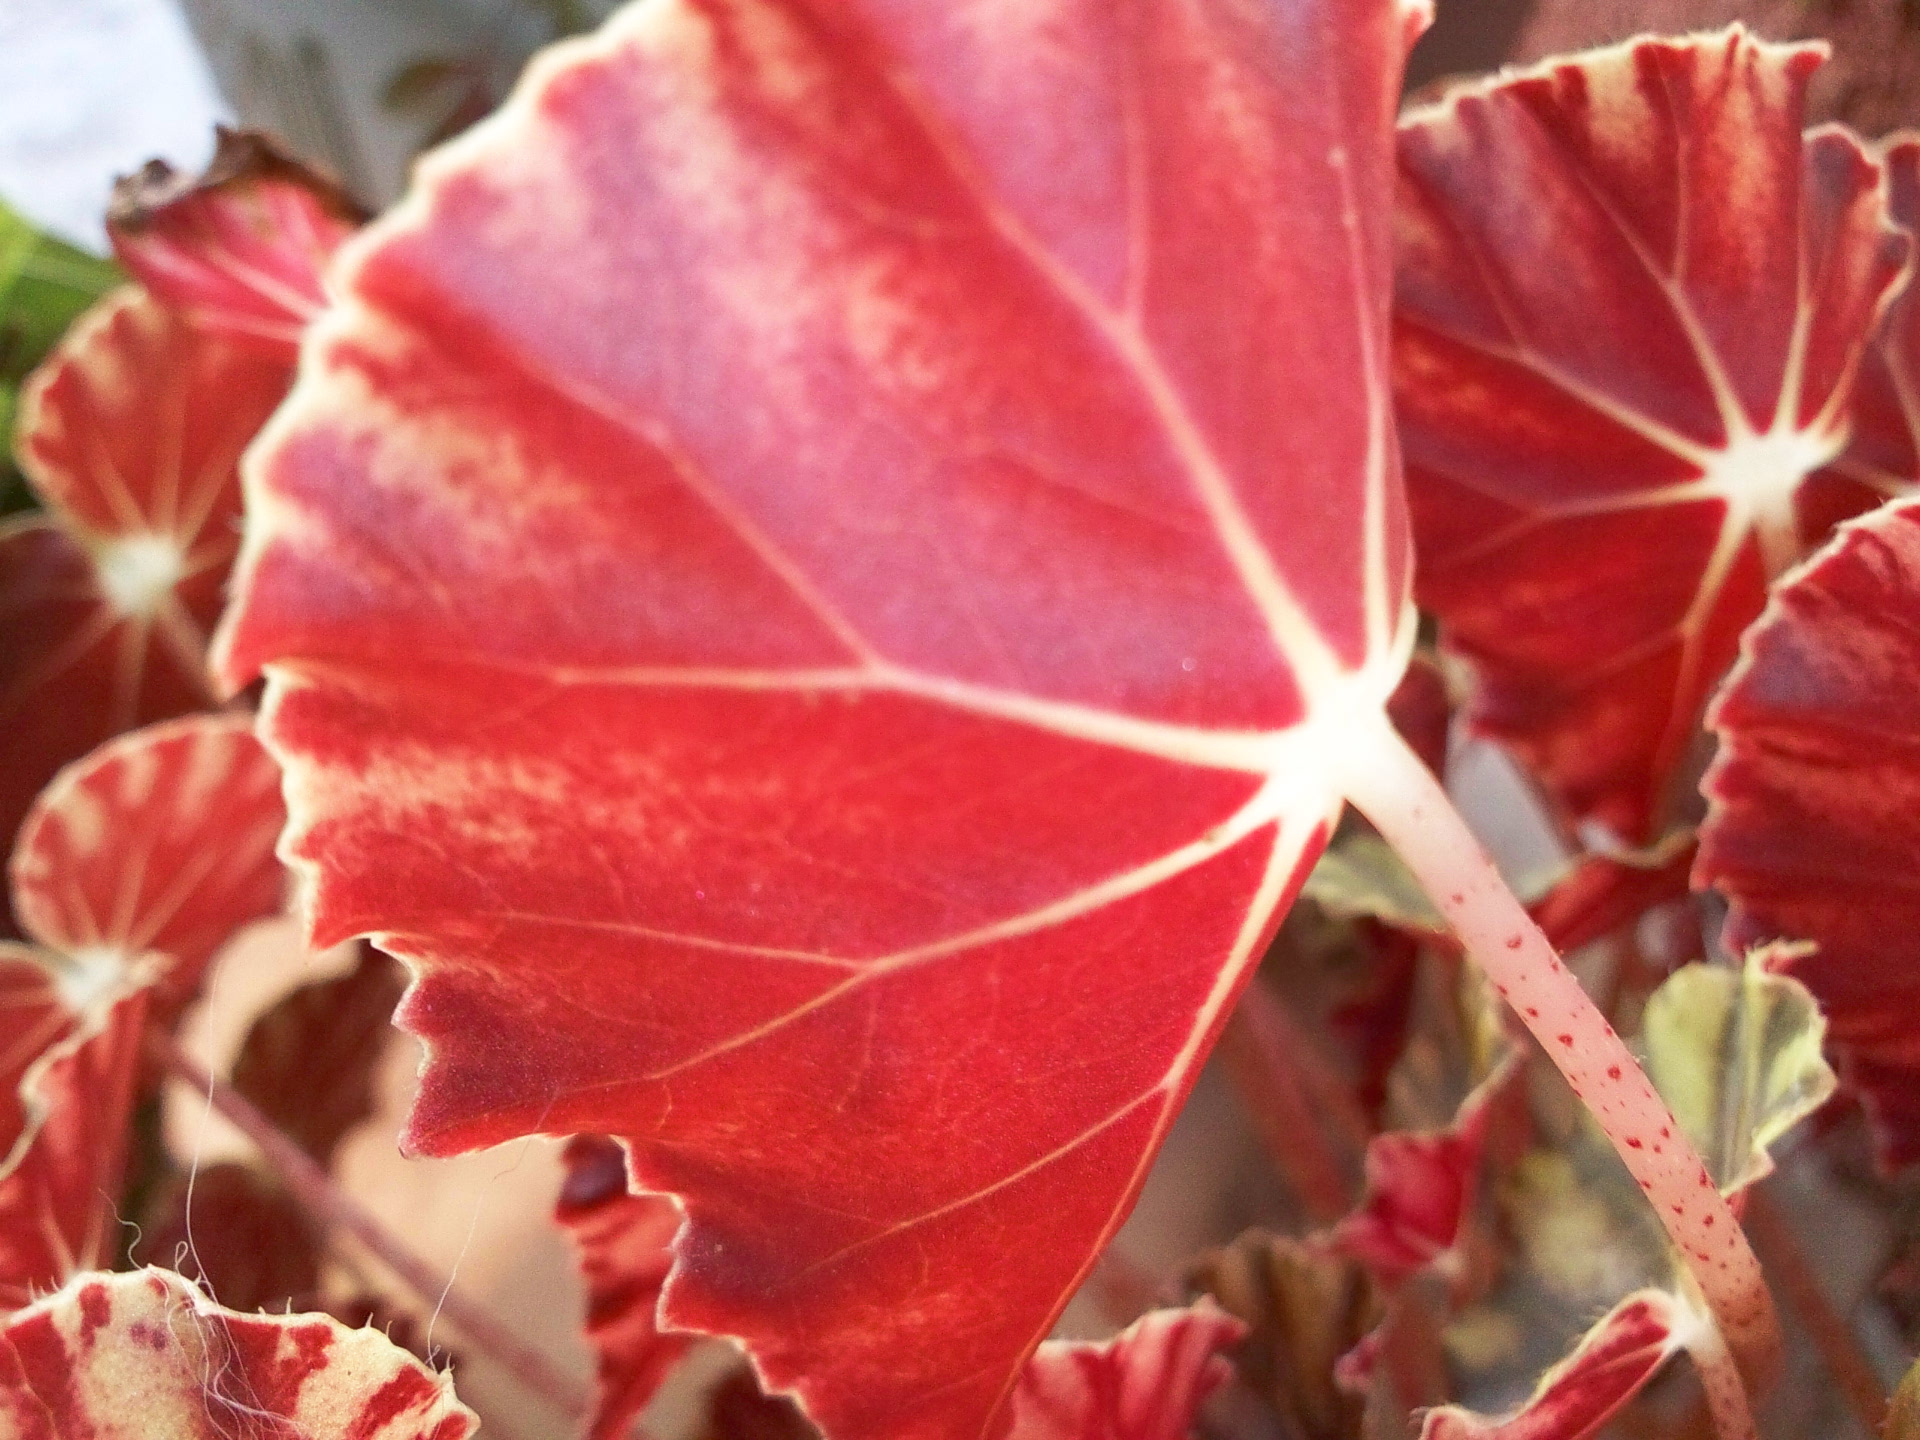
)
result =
(130, 433)
(1422, 1187)
(1813, 831)
(1736, 1055)
(774, 594)
(1615, 1359)
(1146, 1383)
(624, 1243)
(239, 249)
(1631, 305)
(119, 1357)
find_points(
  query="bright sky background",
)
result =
(90, 89)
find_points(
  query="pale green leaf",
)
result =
(1360, 878)
(1736, 1054)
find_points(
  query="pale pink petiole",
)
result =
(1397, 792)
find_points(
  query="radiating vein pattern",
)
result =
(1632, 303)
(834, 680)
(131, 435)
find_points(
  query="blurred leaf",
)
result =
(1736, 1053)
(1304, 1307)
(1903, 1418)
(309, 1062)
(238, 1232)
(1360, 878)
(1579, 1395)
(44, 284)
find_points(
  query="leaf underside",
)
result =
(821, 634)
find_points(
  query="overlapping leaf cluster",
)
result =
(776, 602)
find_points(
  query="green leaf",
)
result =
(44, 285)
(1736, 1053)
(1360, 878)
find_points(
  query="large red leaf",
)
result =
(1144, 1384)
(1814, 821)
(131, 870)
(1631, 303)
(125, 1357)
(130, 433)
(813, 587)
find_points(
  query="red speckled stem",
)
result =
(1397, 792)
(334, 1209)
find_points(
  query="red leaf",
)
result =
(239, 249)
(1814, 819)
(1604, 892)
(1144, 1384)
(66, 1091)
(1421, 1188)
(132, 868)
(1631, 302)
(625, 1246)
(919, 480)
(1882, 457)
(309, 1063)
(1618, 1356)
(1422, 710)
(130, 433)
(239, 1234)
(154, 849)
(148, 1354)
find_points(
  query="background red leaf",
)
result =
(1618, 1356)
(64, 1106)
(1631, 302)
(1814, 819)
(1421, 1186)
(1144, 1384)
(130, 434)
(133, 867)
(239, 249)
(625, 1247)
(1883, 451)
(820, 627)
(309, 1062)
(148, 1354)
